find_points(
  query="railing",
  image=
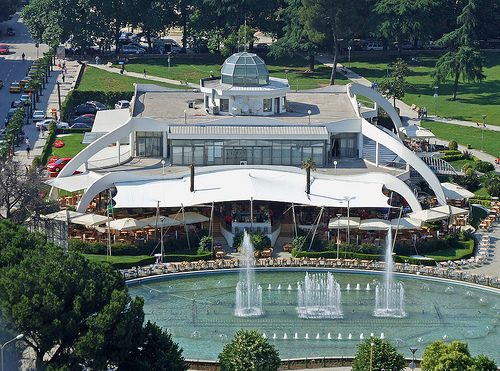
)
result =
(103, 163)
(439, 166)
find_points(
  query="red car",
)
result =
(58, 165)
(4, 49)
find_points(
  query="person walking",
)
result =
(63, 76)
(23, 56)
(28, 143)
(28, 149)
(144, 73)
(97, 59)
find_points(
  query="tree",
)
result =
(402, 19)
(491, 181)
(309, 165)
(395, 86)
(463, 58)
(295, 41)
(325, 21)
(450, 357)
(484, 363)
(242, 38)
(8, 8)
(378, 353)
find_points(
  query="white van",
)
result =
(374, 46)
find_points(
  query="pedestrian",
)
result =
(23, 56)
(425, 111)
(64, 63)
(28, 143)
(28, 149)
(123, 69)
(97, 59)
(59, 64)
(6, 121)
(63, 76)
(144, 73)
(41, 129)
(375, 83)
(65, 70)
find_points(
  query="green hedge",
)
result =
(486, 203)
(138, 263)
(188, 258)
(449, 158)
(46, 148)
(450, 152)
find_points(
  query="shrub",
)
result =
(299, 242)
(466, 166)
(453, 145)
(491, 181)
(484, 166)
(259, 240)
(206, 243)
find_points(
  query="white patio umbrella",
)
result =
(415, 131)
(161, 221)
(406, 223)
(90, 219)
(127, 224)
(63, 215)
(454, 191)
(430, 215)
(343, 222)
(190, 217)
(374, 225)
(452, 210)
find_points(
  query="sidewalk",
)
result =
(48, 100)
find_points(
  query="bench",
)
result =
(109, 64)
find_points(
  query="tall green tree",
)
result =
(402, 19)
(451, 357)
(396, 85)
(377, 354)
(295, 40)
(249, 351)
(325, 21)
(463, 58)
(8, 8)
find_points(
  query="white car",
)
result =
(122, 104)
(38, 116)
(45, 123)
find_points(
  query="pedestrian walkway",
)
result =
(49, 100)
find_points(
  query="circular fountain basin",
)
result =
(198, 309)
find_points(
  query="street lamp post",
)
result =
(286, 75)
(163, 167)
(338, 234)
(162, 218)
(387, 75)
(18, 337)
(168, 59)
(371, 355)
(335, 164)
(412, 364)
(482, 134)
(309, 114)
(349, 48)
(348, 199)
(435, 99)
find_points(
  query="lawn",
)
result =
(95, 79)
(116, 259)
(473, 100)
(466, 135)
(194, 67)
(449, 254)
(72, 145)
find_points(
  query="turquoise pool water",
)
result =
(197, 308)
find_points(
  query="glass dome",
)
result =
(245, 69)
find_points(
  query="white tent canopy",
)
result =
(244, 184)
(343, 222)
(161, 221)
(454, 191)
(438, 213)
(189, 217)
(406, 223)
(415, 131)
(127, 224)
(63, 215)
(375, 225)
(89, 219)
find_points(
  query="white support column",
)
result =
(360, 145)
(132, 144)
(377, 153)
(165, 142)
(118, 151)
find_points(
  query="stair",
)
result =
(386, 156)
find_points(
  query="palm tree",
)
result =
(309, 165)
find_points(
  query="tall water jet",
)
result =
(319, 297)
(248, 292)
(389, 296)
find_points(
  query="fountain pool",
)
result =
(198, 309)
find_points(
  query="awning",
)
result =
(161, 221)
(406, 223)
(75, 182)
(189, 217)
(415, 131)
(438, 213)
(248, 183)
(127, 224)
(89, 219)
(454, 191)
(375, 225)
(343, 222)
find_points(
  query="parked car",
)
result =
(98, 105)
(16, 104)
(89, 120)
(58, 165)
(11, 112)
(4, 49)
(45, 123)
(10, 31)
(433, 46)
(1, 83)
(80, 126)
(122, 104)
(28, 88)
(25, 80)
(26, 99)
(132, 49)
(262, 48)
(374, 46)
(83, 109)
(15, 87)
(38, 116)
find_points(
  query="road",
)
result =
(12, 67)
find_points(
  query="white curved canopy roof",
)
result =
(244, 184)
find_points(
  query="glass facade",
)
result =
(148, 144)
(254, 152)
(344, 145)
(245, 69)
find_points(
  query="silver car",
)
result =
(38, 116)
(45, 123)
